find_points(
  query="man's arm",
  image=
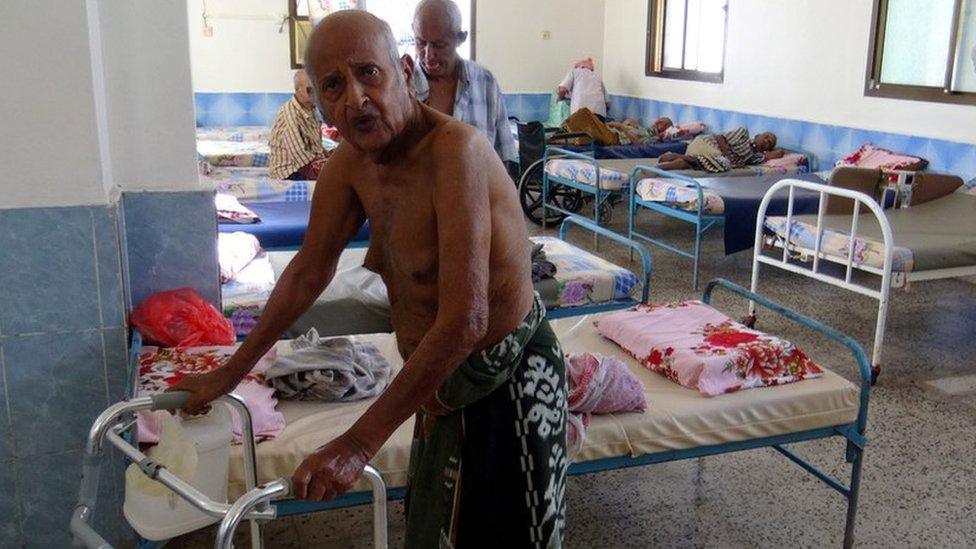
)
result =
(462, 207)
(336, 216)
(504, 143)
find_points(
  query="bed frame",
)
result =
(794, 257)
(262, 503)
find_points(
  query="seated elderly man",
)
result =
(296, 136)
(454, 86)
(483, 371)
(723, 152)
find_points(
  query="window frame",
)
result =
(654, 53)
(294, 19)
(873, 87)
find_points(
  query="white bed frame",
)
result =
(792, 254)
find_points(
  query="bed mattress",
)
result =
(940, 234)
(282, 225)
(641, 150)
(234, 153)
(256, 185)
(615, 173)
(677, 418)
(356, 300)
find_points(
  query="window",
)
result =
(923, 50)
(686, 39)
(398, 13)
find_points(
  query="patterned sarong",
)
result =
(493, 471)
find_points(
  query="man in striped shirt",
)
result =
(458, 87)
(296, 136)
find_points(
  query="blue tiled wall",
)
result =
(259, 109)
(62, 359)
(826, 142)
(170, 240)
(68, 275)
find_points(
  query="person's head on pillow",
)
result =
(764, 142)
(662, 124)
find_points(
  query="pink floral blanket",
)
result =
(700, 348)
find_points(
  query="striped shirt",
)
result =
(478, 102)
(295, 140)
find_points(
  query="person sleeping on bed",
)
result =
(483, 372)
(631, 132)
(723, 152)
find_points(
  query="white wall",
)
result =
(49, 139)
(247, 54)
(805, 60)
(509, 40)
(146, 57)
(106, 105)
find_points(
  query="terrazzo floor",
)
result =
(919, 475)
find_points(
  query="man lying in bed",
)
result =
(723, 152)
(483, 370)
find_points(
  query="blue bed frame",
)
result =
(600, 194)
(852, 433)
(702, 221)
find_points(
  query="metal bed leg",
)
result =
(697, 260)
(852, 498)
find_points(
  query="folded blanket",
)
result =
(161, 367)
(336, 369)
(698, 347)
(598, 385)
(234, 252)
(230, 210)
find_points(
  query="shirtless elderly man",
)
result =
(483, 370)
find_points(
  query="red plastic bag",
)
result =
(181, 318)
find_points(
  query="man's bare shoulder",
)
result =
(453, 137)
(338, 167)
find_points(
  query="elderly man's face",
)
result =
(303, 90)
(436, 43)
(358, 88)
(765, 142)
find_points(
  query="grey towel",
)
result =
(334, 369)
(541, 267)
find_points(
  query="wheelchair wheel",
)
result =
(530, 197)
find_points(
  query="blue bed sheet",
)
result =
(649, 150)
(282, 225)
(742, 195)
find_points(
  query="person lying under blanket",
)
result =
(630, 131)
(723, 152)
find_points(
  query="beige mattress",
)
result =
(677, 418)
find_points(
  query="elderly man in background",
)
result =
(483, 372)
(296, 136)
(455, 86)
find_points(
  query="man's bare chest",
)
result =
(403, 235)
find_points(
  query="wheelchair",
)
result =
(533, 138)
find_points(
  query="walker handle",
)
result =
(169, 400)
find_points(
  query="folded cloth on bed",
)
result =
(869, 156)
(586, 172)
(598, 385)
(230, 210)
(252, 283)
(234, 153)
(162, 367)
(335, 369)
(541, 268)
(234, 252)
(256, 184)
(836, 243)
(234, 133)
(698, 347)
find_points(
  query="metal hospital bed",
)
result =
(681, 424)
(705, 203)
(356, 301)
(899, 245)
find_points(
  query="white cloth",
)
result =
(585, 90)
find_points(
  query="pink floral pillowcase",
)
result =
(698, 347)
